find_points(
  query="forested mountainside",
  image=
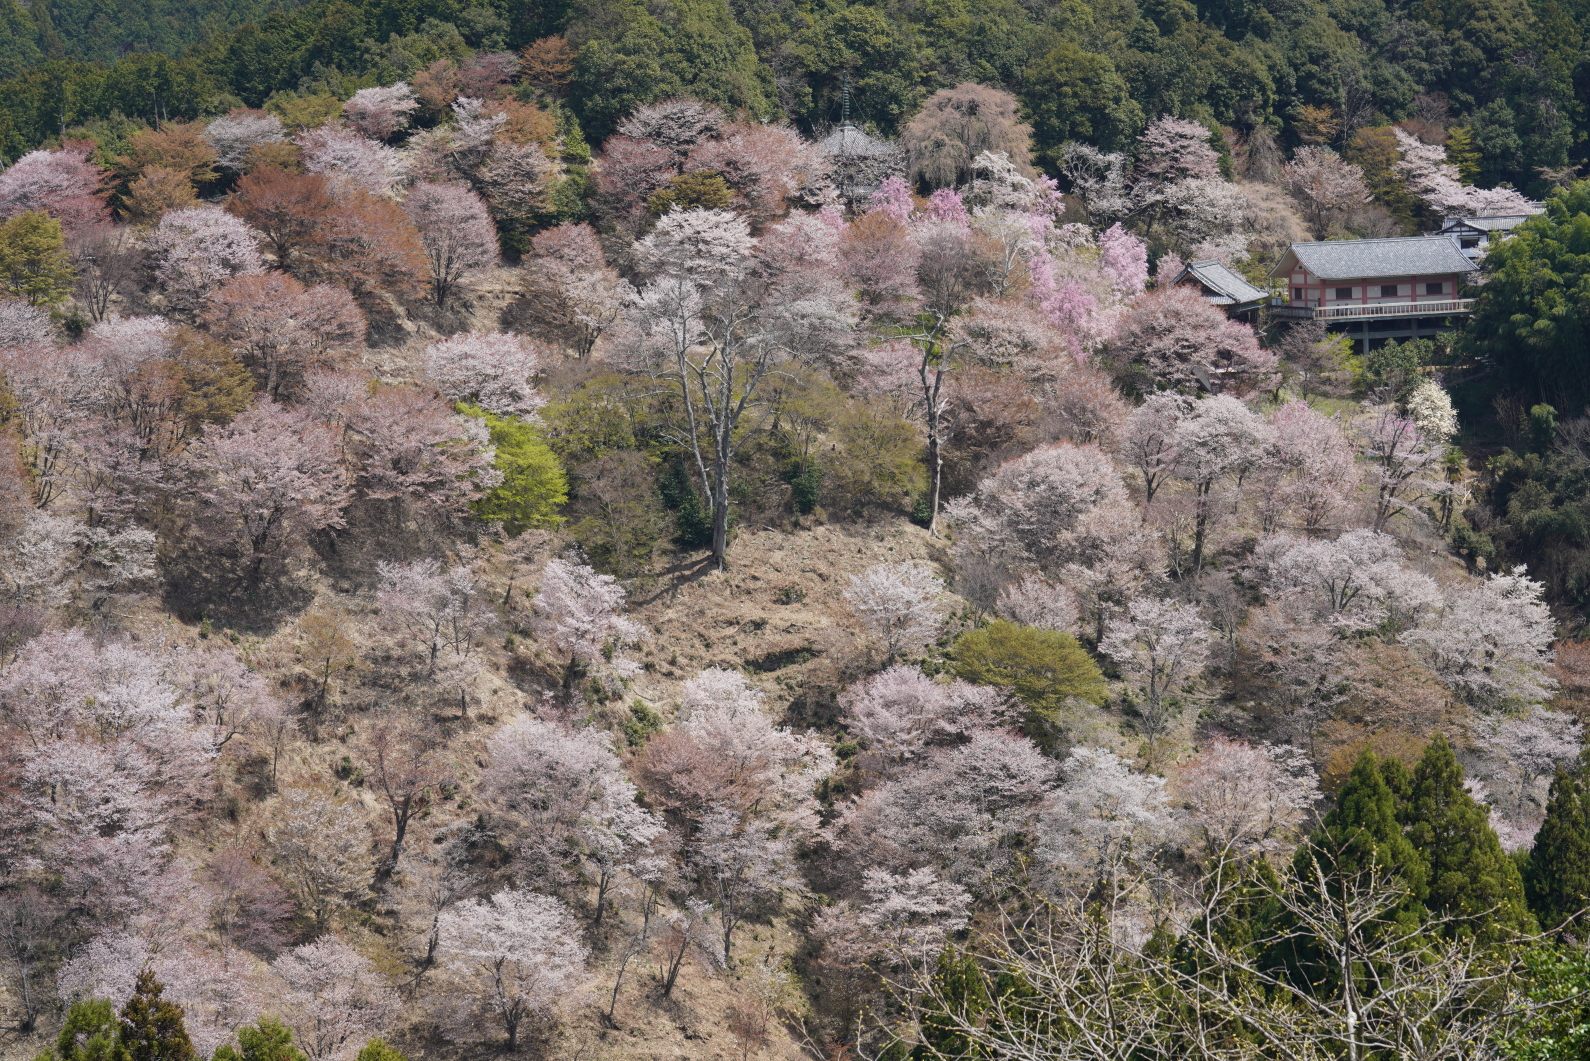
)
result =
(518, 536)
(1506, 74)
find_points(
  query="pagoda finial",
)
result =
(845, 96)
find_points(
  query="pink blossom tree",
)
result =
(197, 249)
(1219, 438)
(1324, 185)
(381, 112)
(351, 161)
(515, 955)
(579, 613)
(740, 864)
(1149, 442)
(1317, 470)
(321, 845)
(1356, 582)
(1059, 504)
(442, 613)
(1175, 149)
(1246, 800)
(1102, 827)
(63, 184)
(456, 231)
(1125, 258)
(489, 369)
(282, 329)
(22, 324)
(572, 289)
(1034, 601)
(898, 604)
(265, 481)
(1173, 337)
(1435, 181)
(411, 450)
(900, 713)
(1401, 463)
(568, 799)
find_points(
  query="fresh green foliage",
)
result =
(1045, 668)
(533, 484)
(378, 1050)
(269, 1040)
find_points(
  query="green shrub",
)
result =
(1044, 668)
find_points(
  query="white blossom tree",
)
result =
(489, 369)
(579, 613)
(382, 111)
(196, 249)
(1246, 800)
(516, 955)
(898, 604)
(334, 998)
(899, 713)
(1103, 825)
(739, 864)
(456, 232)
(322, 846)
(1356, 582)
(1491, 642)
(233, 136)
(1158, 645)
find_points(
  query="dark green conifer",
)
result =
(151, 1027)
(270, 1040)
(1471, 878)
(1557, 885)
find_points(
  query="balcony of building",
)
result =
(1434, 307)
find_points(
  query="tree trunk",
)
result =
(720, 503)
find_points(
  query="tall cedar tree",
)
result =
(1471, 877)
(1557, 882)
(151, 1027)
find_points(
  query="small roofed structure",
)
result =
(1476, 235)
(1222, 287)
(1376, 289)
(858, 163)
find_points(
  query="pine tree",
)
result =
(272, 1041)
(1558, 882)
(1471, 877)
(378, 1050)
(89, 1033)
(151, 1027)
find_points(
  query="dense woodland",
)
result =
(510, 544)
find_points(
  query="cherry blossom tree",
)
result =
(963, 811)
(516, 955)
(578, 612)
(1400, 463)
(711, 329)
(350, 161)
(1218, 438)
(905, 918)
(955, 125)
(334, 999)
(1435, 181)
(1316, 473)
(440, 611)
(727, 754)
(1173, 337)
(456, 232)
(1034, 601)
(1125, 258)
(739, 864)
(1356, 582)
(412, 450)
(1491, 641)
(1324, 185)
(1246, 800)
(251, 910)
(567, 795)
(234, 135)
(22, 324)
(63, 184)
(1149, 442)
(898, 604)
(1059, 504)
(1158, 645)
(1175, 149)
(572, 291)
(265, 481)
(281, 329)
(489, 369)
(322, 846)
(1102, 826)
(382, 112)
(195, 250)
(899, 713)
(1523, 750)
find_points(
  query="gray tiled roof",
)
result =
(1502, 223)
(848, 140)
(1213, 274)
(1353, 259)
